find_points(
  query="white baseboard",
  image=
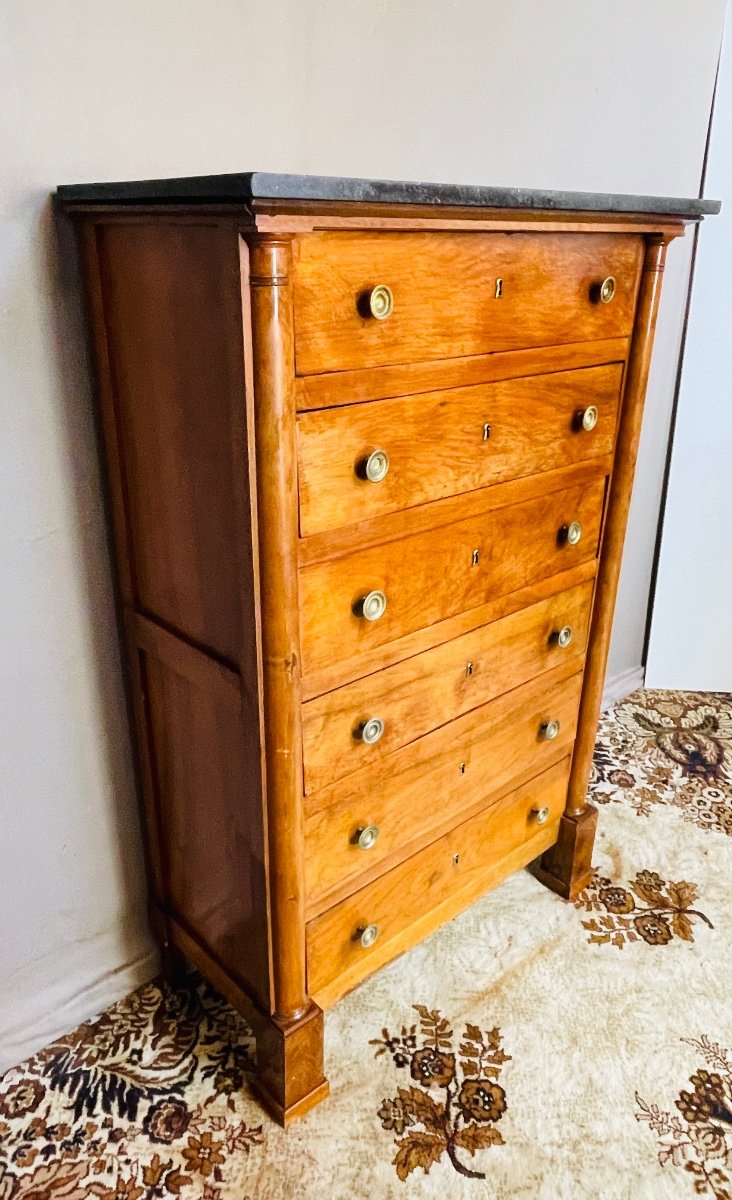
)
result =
(621, 685)
(54, 1012)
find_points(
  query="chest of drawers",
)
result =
(369, 451)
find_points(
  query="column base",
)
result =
(289, 1079)
(566, 867)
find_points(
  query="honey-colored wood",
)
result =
(447, 443)
(290, 1074)
(312, 216)
(331, 675)
(228, 337)
(430, 576)
(464, 763)
(379, 383)
(445, 301)
(419, 895)
(271, 318)
(289, 1056)
(568, 868)
(425, 691)
(360, 535)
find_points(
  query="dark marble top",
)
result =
(261, 185)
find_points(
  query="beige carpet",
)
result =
(532, 1048)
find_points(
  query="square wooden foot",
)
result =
(289, 1079)
(566, 867)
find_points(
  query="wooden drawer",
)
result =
(432, 575)
(448, 442)
(444, 289)
(460, 767)
(411, 900)
(421, 693)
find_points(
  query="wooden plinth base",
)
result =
(566, 867)
(289, 1079)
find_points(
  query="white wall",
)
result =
(611, 95)
(691, 635)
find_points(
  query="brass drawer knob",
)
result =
(586, 418)
(570, 534)
(372, 606)
(549, 730)
(368, 935)
(375, 467)
(603, 291)
(561, 637)
(381, 302)
(370, 731)
(540, 815)
(367, 837)
(607, 290)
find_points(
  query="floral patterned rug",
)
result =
(531, 1048)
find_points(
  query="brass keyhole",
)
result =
(476, 558)
(486, 431)
(456, 860)
(469, 669)
(499, 289)
(462, 768)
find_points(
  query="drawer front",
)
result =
(447, 301)
(445, 443)
(413, 898)
(429, 576)
(403, 702)
(461, 766)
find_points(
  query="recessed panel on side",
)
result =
(208, 801)
(176, 382)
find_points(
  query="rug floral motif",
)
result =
(457, 1100)
(668, 748)
(472, 1066)
(104, 1112)
(698, 1136)
(649, 909)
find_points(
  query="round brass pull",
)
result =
(607, 290)
(571, 534)
(549, 730)
(540, 815)
(368, 935)
(603, 291)
(375, 467)
(370, 731)
(381, 302)
(367, 837)
(586, 418)
(373, 606)
(561, 637)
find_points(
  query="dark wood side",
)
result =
(165, 308)
(567, 866)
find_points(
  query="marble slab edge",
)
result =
(252, 186)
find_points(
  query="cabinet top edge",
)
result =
(252, 186)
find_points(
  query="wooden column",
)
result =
(567, 866)
(290, 1048)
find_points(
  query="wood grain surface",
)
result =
(444, 289)
(427, 690)
(446, 443)
(433, 575)
(419, 895)
(433, 783)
